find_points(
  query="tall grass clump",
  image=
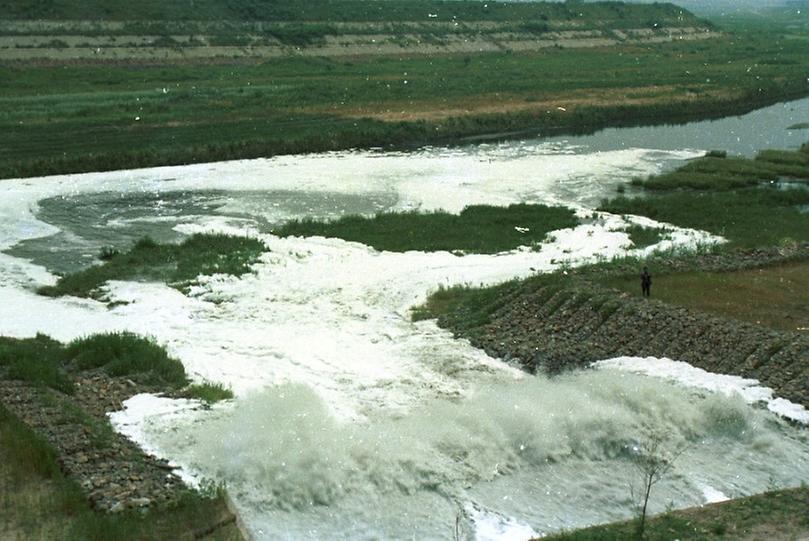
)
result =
(37, 361)
(207, 392)
(176, 264)
(465, 307)
(477, 229)
(127, 354)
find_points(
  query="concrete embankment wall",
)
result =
(554, 329)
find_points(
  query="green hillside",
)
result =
(341, 10)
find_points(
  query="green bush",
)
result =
(127, 354)
(37, 361)
(207, 392)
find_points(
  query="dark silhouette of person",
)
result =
(646, 282)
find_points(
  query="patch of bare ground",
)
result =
(105, 48)
(509, 103)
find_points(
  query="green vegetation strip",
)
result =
(735, 198)
(720, 174)
(339, 11)
(177, 265)
(773, 515)
(45, 362)
(39, 361)
(466, 308)
(477, 229)
(38, 502)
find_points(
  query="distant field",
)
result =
(59, 115)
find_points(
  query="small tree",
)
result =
(653, 462)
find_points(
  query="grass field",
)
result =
(477, 229)
(42, 361)
(773, 297)
(75, 117)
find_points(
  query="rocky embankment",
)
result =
(113, 471)
(573, 322)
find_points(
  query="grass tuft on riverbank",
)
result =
(44, 362)
(722, 174)
(38, 361)
(176, 264)
(477, 229)
(747, 218)
(718, 173)
(643, 237)
(126, 354)
(207, 392)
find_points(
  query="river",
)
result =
(352, 422)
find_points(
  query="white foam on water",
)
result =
(519, 455)
(145, 410)
(712, 495)
(493, 527)
(691, 376)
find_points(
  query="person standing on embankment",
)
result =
(646, 282)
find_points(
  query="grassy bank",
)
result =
(773, 515)
(477, 229)
(329, 11)
(177, 265)
(774, 297)
(466, 309)
(42, 361)
(85, 117)
(38, 502)
(46, 363)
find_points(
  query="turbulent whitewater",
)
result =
(350, 420)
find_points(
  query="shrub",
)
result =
(37, 361)
(207, 392)
(127, 354)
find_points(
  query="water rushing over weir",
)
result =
(552, 453)
(351, 421)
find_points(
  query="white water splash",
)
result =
(685, 374)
